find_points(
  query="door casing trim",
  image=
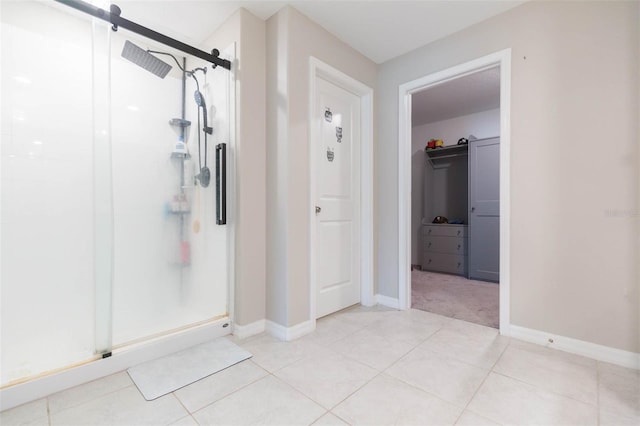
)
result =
(319, 69)
(500, 59)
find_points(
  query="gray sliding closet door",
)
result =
(484, 209)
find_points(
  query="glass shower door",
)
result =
(107, 237)
(171, 263)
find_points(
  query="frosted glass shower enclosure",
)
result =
(107, 239)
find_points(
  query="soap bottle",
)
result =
(180, 147)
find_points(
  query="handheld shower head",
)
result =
(204, 177)
(199, 99)
(202, 104)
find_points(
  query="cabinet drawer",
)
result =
(453, 245)
(442, 262)
(444, 230)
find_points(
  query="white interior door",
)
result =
(337, 155)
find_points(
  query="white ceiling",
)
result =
(380, 30)
(462, 96)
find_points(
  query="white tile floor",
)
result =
(369, 366)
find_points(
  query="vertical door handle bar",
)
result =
(221, 184)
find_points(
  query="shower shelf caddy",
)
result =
(183, 125)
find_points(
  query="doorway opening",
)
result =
(454, 198)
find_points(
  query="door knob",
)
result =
(473, 209)
(318, 209)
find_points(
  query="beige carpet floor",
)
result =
(456, 297)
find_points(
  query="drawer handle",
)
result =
(458, 232)
(429, 260)
(459, 264)
(458, 246)
(429, 244)
(429, 231)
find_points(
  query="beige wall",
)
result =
(637, 210)
(574, 162)
(247, 31)
(277, 170)
(575, 192)
(291, 40)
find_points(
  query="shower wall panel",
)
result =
(47, 291)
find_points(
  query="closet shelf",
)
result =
(447, 152)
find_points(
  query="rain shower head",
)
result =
(145, 59)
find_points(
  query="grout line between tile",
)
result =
(400, 359)
(504, 350)
(348, 396)
(323, 414)
(48, 412)
(545, 390)
(597, 404)
(228, 395)
(478, 390)
(341, 418)
(305, 396)
(431, 394)
(491, 370)
(97, 397)
(179, 401)
(379, 372)
(598, 391)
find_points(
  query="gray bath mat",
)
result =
(165, 375)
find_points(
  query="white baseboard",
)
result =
(251, 329)
(578, 347)
(388, 301)
(120, 360)
(290, 333)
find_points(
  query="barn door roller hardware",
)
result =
(113, 16)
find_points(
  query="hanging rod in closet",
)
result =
(113, 16)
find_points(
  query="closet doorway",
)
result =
(454, 132)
